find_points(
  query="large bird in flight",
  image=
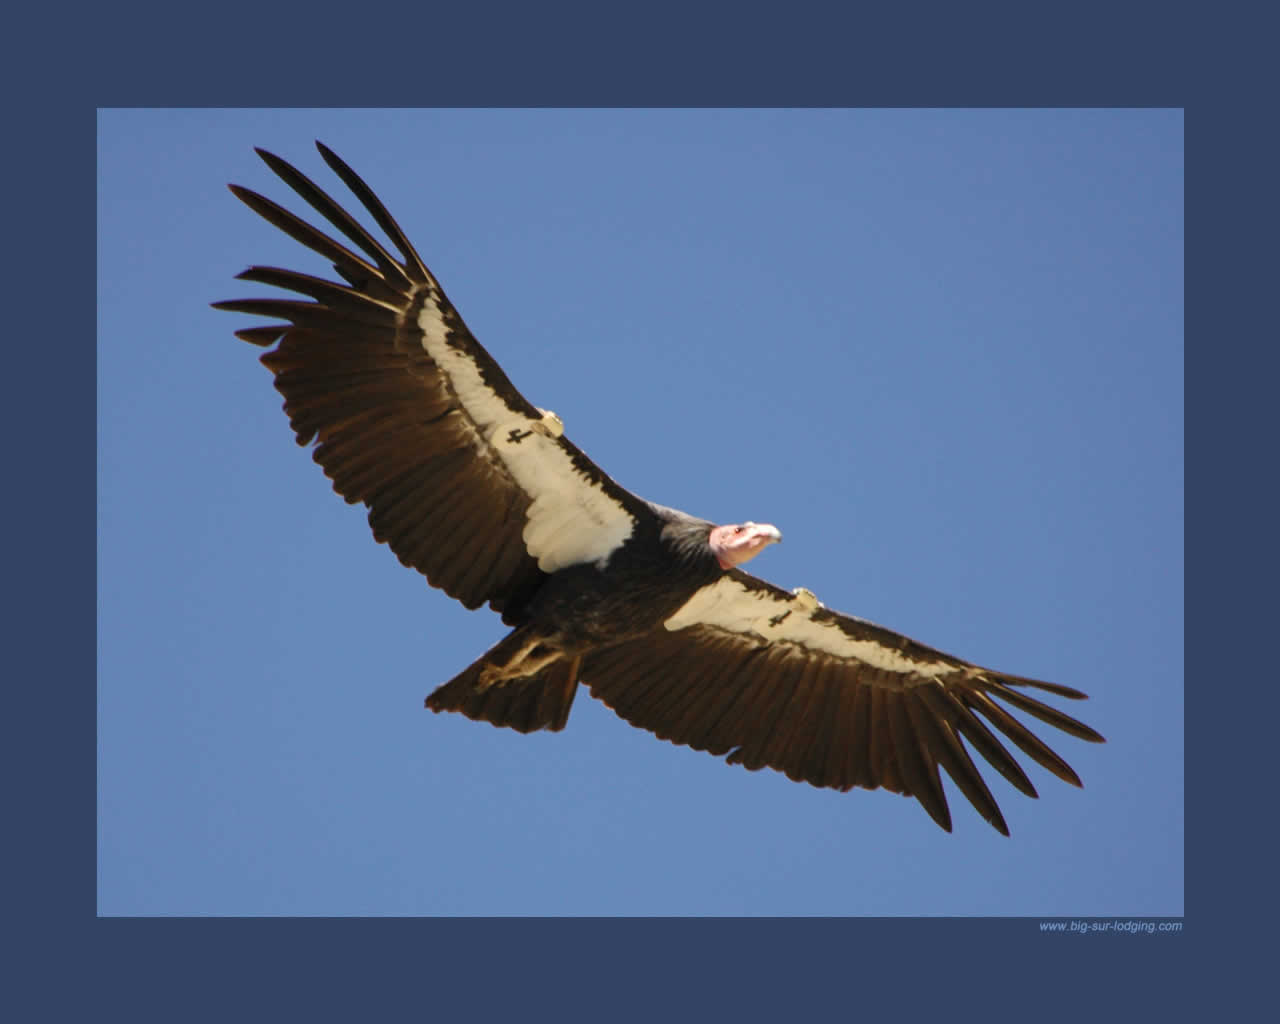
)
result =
(483, 493)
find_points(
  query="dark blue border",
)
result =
(714, 969)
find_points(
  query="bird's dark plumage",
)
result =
(482, 493)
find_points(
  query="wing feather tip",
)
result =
(941, 819)
(1070, 776)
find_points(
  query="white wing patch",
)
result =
(570, 520)
(728, 605)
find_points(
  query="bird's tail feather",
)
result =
(540, 700)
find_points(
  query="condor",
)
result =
(648, 607)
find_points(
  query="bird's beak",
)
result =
(770, 532)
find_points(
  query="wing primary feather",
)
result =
(323, 204)
(964, 721)
(310, 314)
(357, 271)
(1026, 740)
(1057, 689)
(261, 336)
(417, 269)
(333, 296)
(1051, 716)
(938, 737)
(919, 773)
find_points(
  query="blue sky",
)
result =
(941, 350)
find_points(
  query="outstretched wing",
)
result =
(466, 481)
(774, 679)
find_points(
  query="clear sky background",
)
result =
(941, 350)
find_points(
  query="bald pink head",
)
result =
(741, 542)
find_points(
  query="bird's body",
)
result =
(575, 612)
(483, 493)
(644, 582)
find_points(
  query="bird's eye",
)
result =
(737, 529)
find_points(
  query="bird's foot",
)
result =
(528, 660)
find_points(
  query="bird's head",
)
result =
(741, 542)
